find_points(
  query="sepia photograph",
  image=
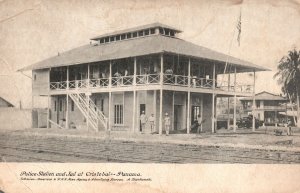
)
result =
(126, 95)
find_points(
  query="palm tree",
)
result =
(289, 77)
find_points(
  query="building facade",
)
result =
(107, 84)
(268, 107)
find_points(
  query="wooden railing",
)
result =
(150, 79)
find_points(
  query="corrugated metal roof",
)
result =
(135, 29)
(138, 47)
(265, 96)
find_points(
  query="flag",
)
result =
(239, 28)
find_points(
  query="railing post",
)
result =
(67, 77)
(161, 69)
(134, 71)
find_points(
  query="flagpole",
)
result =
(239, 25)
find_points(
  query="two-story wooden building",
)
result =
(268, 107)
(106, 84)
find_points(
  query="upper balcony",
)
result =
(164, 71)
(146, 80)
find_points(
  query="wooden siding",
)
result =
(40, 82)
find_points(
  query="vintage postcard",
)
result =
(149, 96)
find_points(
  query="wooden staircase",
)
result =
(91, 112)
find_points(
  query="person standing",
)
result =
(199, 120)
(152, 122)
(167, 123)
(143, 120)
(290, 127)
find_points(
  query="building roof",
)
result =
(265, 96)
(137, 47)
(135, 29)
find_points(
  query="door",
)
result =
(142, 108)
(178, 117)
(196, 110)
(61, 108)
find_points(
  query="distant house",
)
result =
(268, 107)
(5, 103)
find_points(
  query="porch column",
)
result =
(68, 78)
(109, 110)
(88, 76)
(134, 111)
(134, 97)
(67, 101)
(173, 109)
(154, 108)
(228, 102)
(188, 112)
(213, 118)
(253, 105)
(110, 75)
(201, 127)
(188, 119)
(234, 104)
(67, 111)
(213, 114)
(160, 111)
(134, 71)
(49, 102)
(228, 112)
(48, 112)
(161, 93)
(161, 69)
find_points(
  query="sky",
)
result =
(33, 30)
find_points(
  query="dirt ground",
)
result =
(262, 138)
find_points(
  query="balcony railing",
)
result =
(201, 82)
(148, 79)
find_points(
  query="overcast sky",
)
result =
(33, 30)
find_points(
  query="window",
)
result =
(55, 105)
(107, 39)
(152, 31)
(141, 33)
(146, 32)
(167, 32)
(123, 36)
(161, 31)
(258, 104)
(72, 105)
(101, 40)
(118, 118)
(112, 39)
(172, 33)
(129, 36)
(134, 34)
(60, 105)
(118, 37)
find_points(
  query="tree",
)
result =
(289, 78)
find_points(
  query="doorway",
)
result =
(142, 108)
(196, 110)
(61, 110)
(178, 117)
